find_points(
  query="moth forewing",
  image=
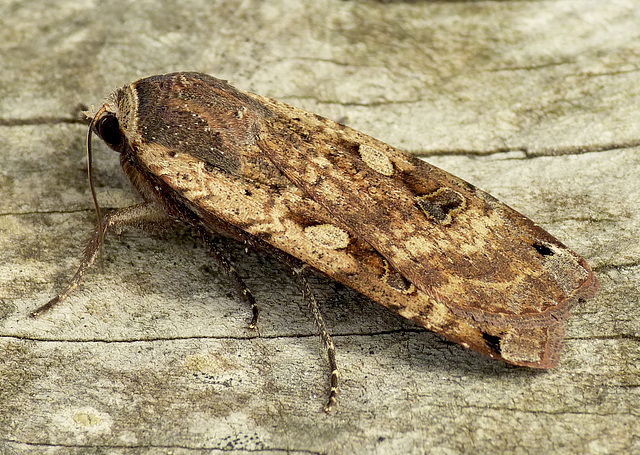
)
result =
(416, 239)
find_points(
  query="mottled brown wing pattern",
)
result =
(450, 239)
(412, 237)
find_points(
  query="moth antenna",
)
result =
(90, 176)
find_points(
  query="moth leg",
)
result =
(324, 334)
(241, 288)
(145, 215)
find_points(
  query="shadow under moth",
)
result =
(321, 196)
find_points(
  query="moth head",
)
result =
(106, 125)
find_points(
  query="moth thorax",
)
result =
(127, 102)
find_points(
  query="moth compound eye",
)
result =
(108, 129)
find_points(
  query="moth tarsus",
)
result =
(242, 290)
(319, 195)
(312, 302)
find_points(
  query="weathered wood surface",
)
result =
(536, 102)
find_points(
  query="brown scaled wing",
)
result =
(412, 237)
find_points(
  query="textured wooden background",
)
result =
(536, 102)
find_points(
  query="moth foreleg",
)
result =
(324, 334)
(145, 215)
(241, 288)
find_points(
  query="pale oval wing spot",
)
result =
(327, 236)
(376, 160)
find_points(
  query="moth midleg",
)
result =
(232, 273)
(299, 270)
(324, 334)
(144, 215)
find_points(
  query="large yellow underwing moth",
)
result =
(323, 196)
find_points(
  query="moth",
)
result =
(321, 196)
